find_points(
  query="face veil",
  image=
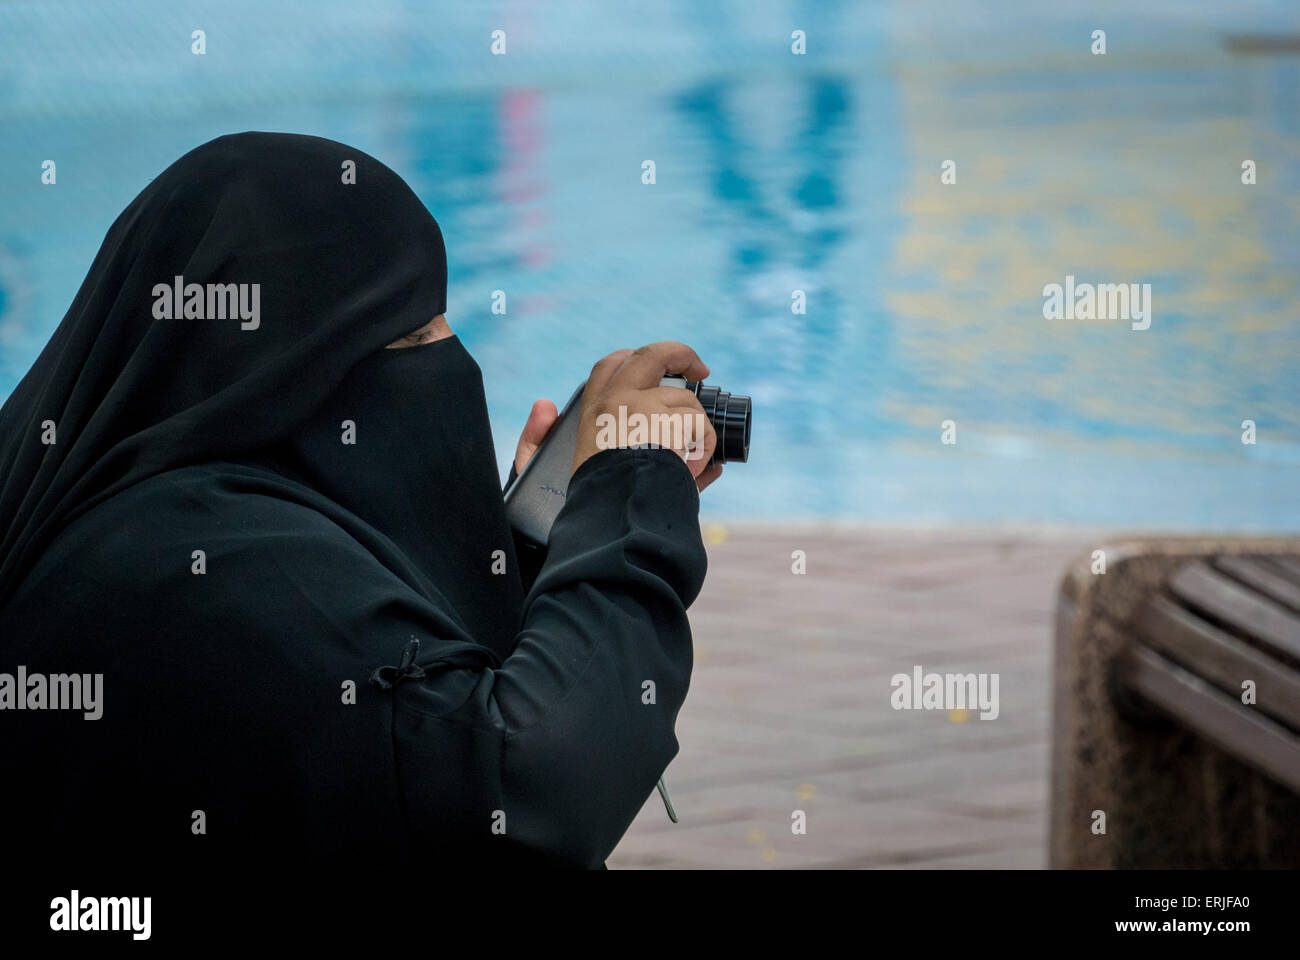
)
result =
(341, 267)
(404, 445)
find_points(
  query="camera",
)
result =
(729, 414)
(534, 498)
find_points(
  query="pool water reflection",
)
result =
(781, 183)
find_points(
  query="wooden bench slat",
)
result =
(1238, 608)
(1221, 658)
(1258, 574)
(1289, 567)
(1220, 719)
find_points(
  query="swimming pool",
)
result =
(774, 173)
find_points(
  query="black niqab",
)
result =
(420, 470)
(343, 268)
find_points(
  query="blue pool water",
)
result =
(775, 173)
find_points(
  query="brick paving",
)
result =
(789, 706)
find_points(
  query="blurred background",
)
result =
(778, 173)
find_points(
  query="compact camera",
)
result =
(535, 497)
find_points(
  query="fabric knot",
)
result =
(407, 669)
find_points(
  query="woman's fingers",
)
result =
(708, 476)
(540, 420)
(605, 368)
(648, 365)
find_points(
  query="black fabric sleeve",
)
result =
(552, 755)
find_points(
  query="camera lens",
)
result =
(730, 415)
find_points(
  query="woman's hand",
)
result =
(630, 379)
(540, 419)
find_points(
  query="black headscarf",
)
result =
(346, 260)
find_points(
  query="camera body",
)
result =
(535, 497)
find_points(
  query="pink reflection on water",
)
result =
(519, 184)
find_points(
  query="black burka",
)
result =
(284, 548)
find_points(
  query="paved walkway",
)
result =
(790, 704)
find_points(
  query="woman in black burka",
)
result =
(283, 546)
